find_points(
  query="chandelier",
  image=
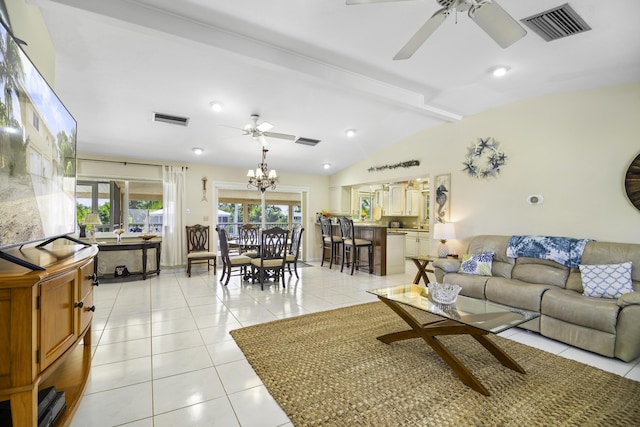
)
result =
(262, 178)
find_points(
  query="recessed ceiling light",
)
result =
(197, 150)
(216, 106)
(327, 165)
(499, 71)
(351, 132)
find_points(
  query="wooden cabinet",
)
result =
(396, 200)
(412, 203)
(417, 243)
(381, 200)
(43, 316)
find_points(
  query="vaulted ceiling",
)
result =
(312, 68)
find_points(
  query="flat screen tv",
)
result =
(37, 153)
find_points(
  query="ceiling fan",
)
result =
(488, 14)
(260, 132)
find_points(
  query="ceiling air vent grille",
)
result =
(307, 141)
(557, 23)
(172, 120)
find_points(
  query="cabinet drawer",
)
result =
(86, 312)
(86, 279)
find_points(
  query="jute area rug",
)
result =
(328, 369)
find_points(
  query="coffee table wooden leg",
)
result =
(427, 334)
(499, 354)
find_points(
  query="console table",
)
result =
(137, 263)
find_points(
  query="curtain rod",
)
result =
(125, 163)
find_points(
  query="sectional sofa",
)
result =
(607, 324)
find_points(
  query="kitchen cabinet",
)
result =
(395, 253)
(44, 315)
(417, 243)
(381, 200)
(340, 200)
(396, 200)
(412, 203)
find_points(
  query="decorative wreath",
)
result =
(484, 158)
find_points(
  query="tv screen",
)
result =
(37, 153)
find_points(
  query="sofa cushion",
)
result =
(515, 293)
(571, 307)
(479, 264)
(544, 272)
(472, 285)
(606, 280)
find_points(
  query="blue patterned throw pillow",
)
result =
(479, 264)
(606, 280)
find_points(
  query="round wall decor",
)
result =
(632, 182)
(484, 158)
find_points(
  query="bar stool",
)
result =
(351, 246)
(329, 241)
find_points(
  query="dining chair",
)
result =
(351, 246)
(329, 242)
(272, 255)
(230, 262)
(199, 247)
(249, 240)
(294, 249)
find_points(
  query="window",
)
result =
(234, 212)
(131, 205)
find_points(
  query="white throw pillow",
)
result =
(606, 280)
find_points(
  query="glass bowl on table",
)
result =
(444, 293)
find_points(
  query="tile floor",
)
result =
(163, 355)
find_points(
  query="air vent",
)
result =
(172, 120)
(307, 141)
(557, 23)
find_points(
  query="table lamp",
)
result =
(443, 232)
(92, 220)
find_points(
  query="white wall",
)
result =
(573, 149)
(28, 25)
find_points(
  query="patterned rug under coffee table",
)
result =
(328, 368)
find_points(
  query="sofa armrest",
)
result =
(631, 298)
(447, 265)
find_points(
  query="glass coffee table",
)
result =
(467, 316)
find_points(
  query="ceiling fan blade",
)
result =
(264, 126)
(351, 2)
(422, 35)
(497, 23)
(280, 136)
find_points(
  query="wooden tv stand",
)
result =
(44, 316)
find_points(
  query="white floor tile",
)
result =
(238, 376)
(119, 374)
(179, 391)
(256, 408)
(177, 341)
(213, 413)
(114, 407)
(181, 361)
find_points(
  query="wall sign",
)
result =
(406, 164)
(632, 182)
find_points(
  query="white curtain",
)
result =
(174, 201)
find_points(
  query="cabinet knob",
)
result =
(79, 304)
(92, 308)
(94, 278)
